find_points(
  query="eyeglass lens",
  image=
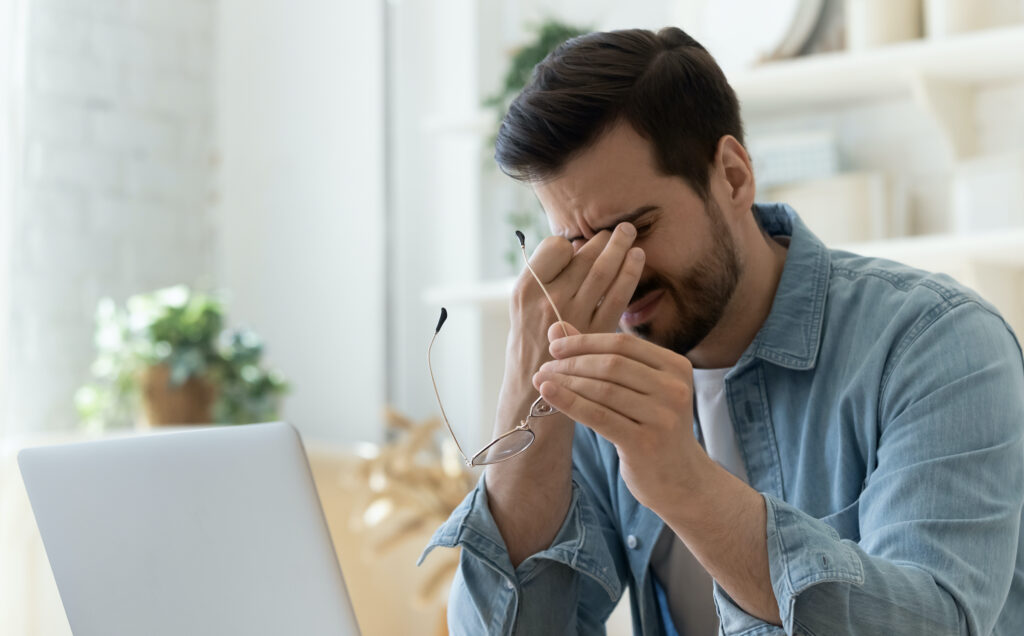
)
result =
(505, 447)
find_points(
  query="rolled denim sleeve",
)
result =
(569, 588)
(938, 518)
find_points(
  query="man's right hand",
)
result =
(591, 286)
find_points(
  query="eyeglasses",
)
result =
(514, 442)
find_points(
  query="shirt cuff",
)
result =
(471, 526)
(578, 543)
(802, 552)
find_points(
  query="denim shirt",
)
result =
(880, 413)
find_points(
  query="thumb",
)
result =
(555, 331)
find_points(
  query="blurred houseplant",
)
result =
(168, 354)
(546, 37)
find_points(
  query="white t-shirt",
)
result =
(687, 585)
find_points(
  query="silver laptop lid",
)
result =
(216, 530)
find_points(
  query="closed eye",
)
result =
(641, 229)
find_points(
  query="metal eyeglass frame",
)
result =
(513, 442)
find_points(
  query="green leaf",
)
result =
(547, 36)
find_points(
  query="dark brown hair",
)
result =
(666, 85)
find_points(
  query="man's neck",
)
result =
(748, 308)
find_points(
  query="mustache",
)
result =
(647, 286)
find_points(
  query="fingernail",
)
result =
(636, 254)
(627, 229)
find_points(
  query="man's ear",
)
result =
(735, 174)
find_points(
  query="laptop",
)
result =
(216, 530)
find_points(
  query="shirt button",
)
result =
(509, 584)
(632, 542)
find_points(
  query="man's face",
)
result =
(692, 265)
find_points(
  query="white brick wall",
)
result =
(115, 180)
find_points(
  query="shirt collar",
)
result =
(791, 335)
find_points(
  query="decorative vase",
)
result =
(163, 403)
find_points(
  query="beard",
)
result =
(700, 294)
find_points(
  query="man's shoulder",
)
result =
(884, 305)
(889, 290)
(891, 278)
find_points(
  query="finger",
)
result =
(617, 297)
(607, 265)
(607, 423)
(644, 352)
(616, 398)
(576, 272)
(549, 259)
(560, 329)
(613, 368)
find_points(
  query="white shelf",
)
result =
(479, 123)
(829, 79)
(936, 252)
(490, 294)
(969, 59)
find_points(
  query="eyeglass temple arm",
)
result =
(437, 330)
(522, 246)
(437, 394)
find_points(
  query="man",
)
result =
(780, 439)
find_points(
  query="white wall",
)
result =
(300, 119)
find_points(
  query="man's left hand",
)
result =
(638, 396)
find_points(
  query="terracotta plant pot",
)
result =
(190, 403)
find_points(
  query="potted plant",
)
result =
(167, 355)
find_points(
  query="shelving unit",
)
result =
(941, 75)
(938, 250)
(829, 79)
